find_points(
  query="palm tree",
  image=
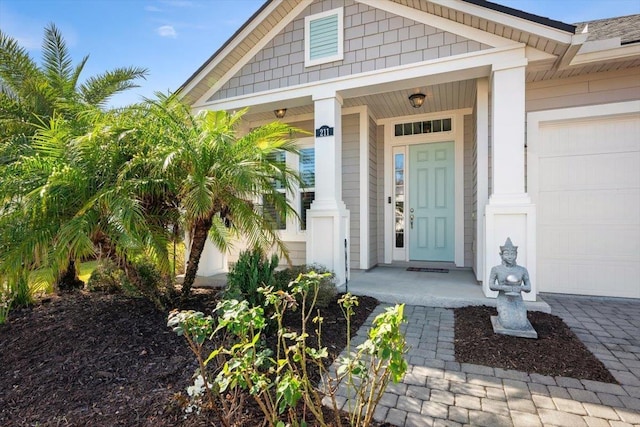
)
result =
(35, 92)
(43, 110)
(220, 177)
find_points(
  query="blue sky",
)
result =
(172, 38)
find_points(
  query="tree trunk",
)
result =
(69, 280)
(198, 239)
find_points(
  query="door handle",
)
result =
(411, 221)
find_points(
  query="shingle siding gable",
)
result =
(373, 40)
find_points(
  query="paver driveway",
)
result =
(438, 391)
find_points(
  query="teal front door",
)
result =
(431, 202)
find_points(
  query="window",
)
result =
(417, 128)
(398, 166)
(302, 197)
(307, 168)
(268, 202)
(324, 37)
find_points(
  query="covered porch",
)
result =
(432, 287)
(368, 141)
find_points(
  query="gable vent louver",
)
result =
(323, 37)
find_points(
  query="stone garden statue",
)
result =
(510, 280)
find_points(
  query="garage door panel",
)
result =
(589, 278)
(584, 137)
(595, 243)
(595, 172)
(588, 207)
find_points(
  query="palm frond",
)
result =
(16, 65)
(56, 59)
(98, 89)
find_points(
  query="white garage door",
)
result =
(588, 206)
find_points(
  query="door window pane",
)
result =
(399, 200)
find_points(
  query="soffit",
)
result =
(596, 67)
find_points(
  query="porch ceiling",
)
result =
(440, 97)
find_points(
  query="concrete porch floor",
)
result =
(457, 288)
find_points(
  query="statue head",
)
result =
(508, 252)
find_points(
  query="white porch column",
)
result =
(509, 212)
(328, 217)
(482, 170)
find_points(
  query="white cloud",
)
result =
(152, 9)
(178, 3)
(167, 31)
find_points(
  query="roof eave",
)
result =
(223, 47)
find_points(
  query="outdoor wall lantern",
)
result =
(417, 100)
(280, 112)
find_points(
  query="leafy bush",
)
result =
(148, 275)
(252, 271)
(279, 382)
(327, 291)
(106, 277)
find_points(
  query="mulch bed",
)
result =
(556, 352)
(109, 360)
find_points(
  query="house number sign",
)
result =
(323, 131)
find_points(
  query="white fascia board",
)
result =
(442, 70)
(576, 44)
(254, 50)
(520, 24)
(618, 54)
(598, 45)
(439, 22)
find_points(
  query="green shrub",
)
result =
(280, 381)
(252, 271)
(148, 275)
(106, 277)
(327, 291)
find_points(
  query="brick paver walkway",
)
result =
(438, 391)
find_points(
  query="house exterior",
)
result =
(529, 129)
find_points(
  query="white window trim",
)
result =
(308, 62)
